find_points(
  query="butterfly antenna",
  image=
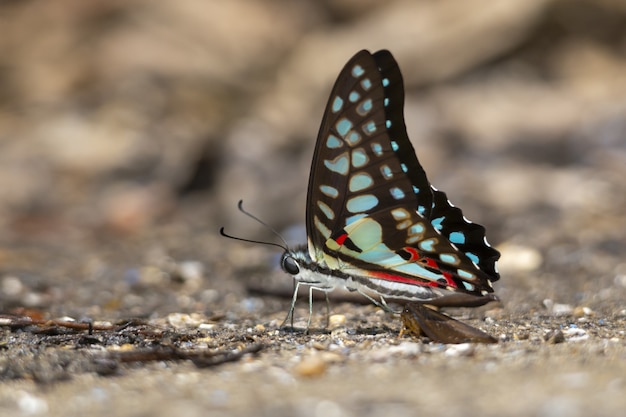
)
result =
(284, 246)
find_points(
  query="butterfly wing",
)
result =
(372, 215)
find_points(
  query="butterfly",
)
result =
(374, 223)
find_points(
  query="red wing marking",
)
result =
(416, 281)
(341, 238)
(413, 252)
(448, 276)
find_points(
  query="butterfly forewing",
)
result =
(371, 210)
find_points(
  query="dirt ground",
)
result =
(130, 129)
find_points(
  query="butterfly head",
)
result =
(290, 264)
(298, 263)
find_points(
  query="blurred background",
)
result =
(129, 129)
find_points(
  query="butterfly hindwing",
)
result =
(468, 237)
(371, 212)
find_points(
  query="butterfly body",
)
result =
(374, 223)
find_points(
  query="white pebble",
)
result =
(181, 321)
(191, 270)
(11, 286)
(518, 258)
(462, 349)
(406, 349)
(31, 405)
(575, 334)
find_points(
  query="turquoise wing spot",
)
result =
(340, 164)
(457, 237)
(326, 210)
(359, 158)
(472, 256)
(404, 168)
(386, 172)
(360, 182)
(361, 203)
(417, 270)
(366, 84)
(427, 245)
(397, 193)
(468, 286)
(415, 233)
(354, 97)
(357, 71)
(394, 146)
(333, 142)
(343, 126)
(353, 138)
(399, 214)
(421, 209)
(416, 190)
(403, 224)
(352, 219)
(337, 104)
(386, 102)
(321, 227)
(331, 192)
(437, 222)
(449, 258)
(377, 149)
(364, 107)
(369, 128)
(465, 275)
(388, 123)
(416, 229)
(385, 82)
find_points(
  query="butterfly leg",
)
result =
(327, 309)
(308, 323)
(382, 303)
(293, 305)
(386, 307)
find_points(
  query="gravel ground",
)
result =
(129, 130)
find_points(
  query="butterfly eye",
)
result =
(290, 265)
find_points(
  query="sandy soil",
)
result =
(129, 130)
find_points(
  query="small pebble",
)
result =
(558, 309)
(554, 337)
(620, 280)
(319, 346)
(190, 271)
(522, 335)
(575, 334)
(336, 320)
(583, 312)
(406, 349)
(518, 258)
(11, 286)
(181, 321)
(311, 366)
(462, 349)
(30, 404)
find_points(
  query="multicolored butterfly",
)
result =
(375, 225)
